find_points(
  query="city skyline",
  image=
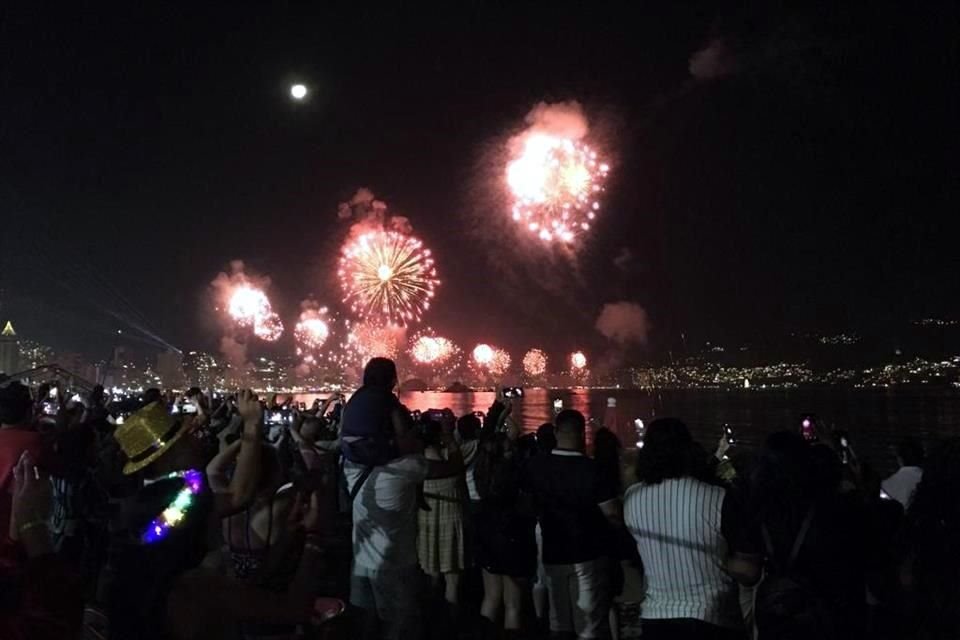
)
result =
(831, 360)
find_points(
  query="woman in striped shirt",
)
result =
(679, 523)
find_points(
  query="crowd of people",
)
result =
(240, 517)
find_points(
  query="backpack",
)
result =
(366, 427)
(786, 607)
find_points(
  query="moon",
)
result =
(298, 91)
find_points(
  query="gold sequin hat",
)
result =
(146, 435)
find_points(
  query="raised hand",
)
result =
(250, 410)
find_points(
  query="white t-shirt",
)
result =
(385, 513)
(900, 486)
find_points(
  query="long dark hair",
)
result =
(933, 530)
(606, 451)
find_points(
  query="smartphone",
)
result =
(188, 407)
(728, 434)
(276, 417)
(54, 392)
(808, 428)
(641, 430)
(434, 414)
(50, 408)
(557, 405)
(512, 392)
(845, 450)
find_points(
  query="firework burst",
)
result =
(375, 341)
(312, 330)
(578, 361)
(337, 360)
(535, 363)
(490, 361)
(250, 307)
(434, 356)
(556, 183)
(387, 277)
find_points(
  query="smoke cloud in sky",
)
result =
(624, 323)
(565, 119)
(715, 60)
(368, 213)
(234, 351)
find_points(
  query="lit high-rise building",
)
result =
(9, 350)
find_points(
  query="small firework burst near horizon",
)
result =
(250, 307)
(535, 363)
(578, 361)
(490, 359)
(429, 349)
(434, 355)
(556, 183)
(387, 277)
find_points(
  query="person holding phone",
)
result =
(16, 437)
(901, 485)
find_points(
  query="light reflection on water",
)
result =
(874, 419)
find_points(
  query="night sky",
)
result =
(809, 183)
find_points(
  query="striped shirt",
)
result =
(676, 525)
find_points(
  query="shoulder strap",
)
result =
(801, 535)
(359, 483)
(797, 542)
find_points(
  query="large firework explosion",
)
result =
(250, 307)
(387, 277)
(556, 183)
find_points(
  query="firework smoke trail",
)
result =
(535, 363)
(555, 179)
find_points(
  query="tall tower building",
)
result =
(9, 350)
